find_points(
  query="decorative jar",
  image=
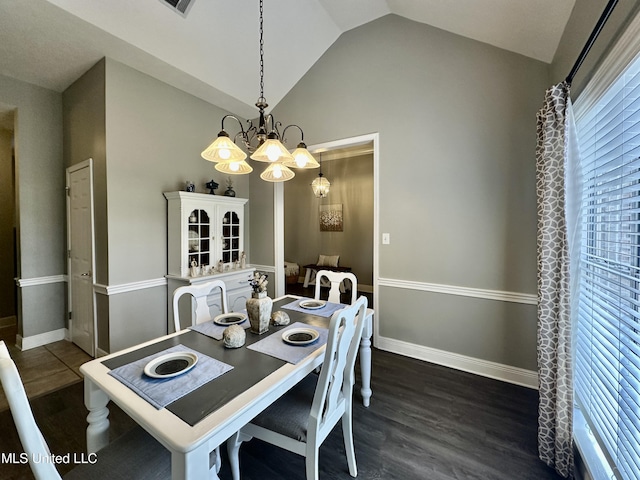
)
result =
(259, 312)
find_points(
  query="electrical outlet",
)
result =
(386, 239)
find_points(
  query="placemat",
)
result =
(162, 392)
(274, 346)
(214, 330)
(326, 311)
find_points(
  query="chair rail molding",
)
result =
(515, 297)
(129, 287)
(31, 282)
(264, 268)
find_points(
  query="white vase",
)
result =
(259, 312)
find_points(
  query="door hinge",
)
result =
(70, 315)
(67, 189)
(68, 253)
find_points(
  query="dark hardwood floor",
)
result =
(424, 422)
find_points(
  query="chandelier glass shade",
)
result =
(277, 172)
(301, 158)
(223, 149)
(272, 150)
(229, 157)
(234, 167)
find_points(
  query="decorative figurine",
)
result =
(280, 318)
(229, 192)
(234, 336)
(220, 266)
(190, 187)
(243, 260)
(212, 185)
(194, 268)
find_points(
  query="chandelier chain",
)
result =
(261, 54)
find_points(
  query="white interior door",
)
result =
(81, 257)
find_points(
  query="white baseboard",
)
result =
(101, 353)
(497, 371)
(27, 343)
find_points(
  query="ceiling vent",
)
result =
(179, 6)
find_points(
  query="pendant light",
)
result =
(320, 185)
(231, 159)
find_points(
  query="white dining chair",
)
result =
(302, 418)
(200, 294)
(335, 279)
(136, 454)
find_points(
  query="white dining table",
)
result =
(190, 442)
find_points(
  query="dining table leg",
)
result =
(365, 361)
(98, 419)
(192, 464)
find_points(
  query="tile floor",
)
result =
(45, 369)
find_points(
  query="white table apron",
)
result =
(190, 445)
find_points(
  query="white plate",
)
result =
(171, 365)
(312, 304)
(300, 336)
(232, 318)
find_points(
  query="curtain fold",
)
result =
(559, 197)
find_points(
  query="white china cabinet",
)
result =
(205, 241)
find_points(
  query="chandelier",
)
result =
(262, 141)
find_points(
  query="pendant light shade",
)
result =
(239, 167)
(320, 186)
(302, 158)
(272, 150)
(223, 150)
(277, 172)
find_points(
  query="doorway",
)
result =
(81, 262)
(351, 165)
(8, 236)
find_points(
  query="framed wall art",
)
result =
(331, 218)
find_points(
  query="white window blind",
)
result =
(607, 347)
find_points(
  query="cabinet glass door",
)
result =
(230, 237)
(199, 238)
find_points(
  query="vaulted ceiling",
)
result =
(213, 51)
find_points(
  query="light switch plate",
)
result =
(386, 239)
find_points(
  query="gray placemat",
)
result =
(274, 346)
(326, 311)
(214, 330)
(162, 392)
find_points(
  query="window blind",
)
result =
(607, 338)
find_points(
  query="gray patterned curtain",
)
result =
(558, 191)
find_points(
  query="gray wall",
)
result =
(352, 186)
(150, 136)
(457, 127)
(41, 204)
